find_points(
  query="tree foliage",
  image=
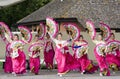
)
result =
(12, 14)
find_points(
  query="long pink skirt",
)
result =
(8, 65)
(112, 59)
(48, 58)
(61, 61)
(71, 62)
(19, 63)
(35, 64)
(102, 63)
(86, 64)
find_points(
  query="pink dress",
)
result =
(49, 54)
(19, 62)
(60, 56)
(18, 59)
(8, 61)
(34, 61)
(61, 60)
(101, 61)
(113, 57)
(75, 59)
(86, 65)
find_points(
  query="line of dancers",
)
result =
(107, 59)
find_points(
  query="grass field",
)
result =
(1, 65)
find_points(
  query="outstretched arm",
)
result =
(53, 39)
(8, 38)
(24, 40)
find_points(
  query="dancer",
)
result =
(34, 56)
(8, 60)
(18, 56)
(81, 50)
(112, 38)
(6, 34)
(112, 57)
(60, 54)
(48, 52)
(100, 56)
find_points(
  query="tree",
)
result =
(12, 14)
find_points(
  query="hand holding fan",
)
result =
(26, 34)
(5, 31)
(16, 44)
(41, 31)
(35, 47)
(72, 30)
(91, 29)
(105, 30)
(100, 48)
(52, 26)
(82, 50)
(112, 45)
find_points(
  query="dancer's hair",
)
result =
(81, 36)
(16, 35)
(59, 33)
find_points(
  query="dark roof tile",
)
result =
(107, 11)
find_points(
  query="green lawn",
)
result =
(1, 65)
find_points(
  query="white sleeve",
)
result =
(53, 39)
(95, 41)
(8, 37)
(30, 54)
(65, 43)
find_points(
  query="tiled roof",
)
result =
(107, 11)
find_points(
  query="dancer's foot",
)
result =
(83, 72)
(58, 74)
(101, 74)
(14, 73)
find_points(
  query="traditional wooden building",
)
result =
(77, 11)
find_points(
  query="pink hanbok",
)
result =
(61, 60)
(104, 69)
(86, 65)
(60, 56)
(113, 57)
(19, 62)
(34, 61)
(8, 60)
(49, 54)
(76, 59)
